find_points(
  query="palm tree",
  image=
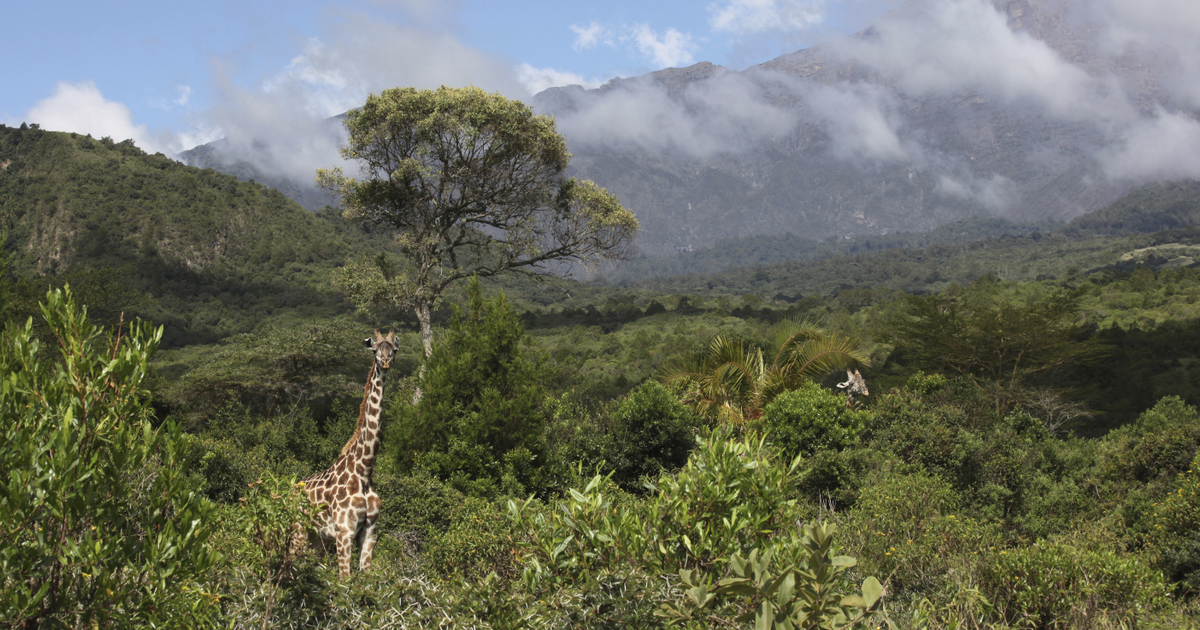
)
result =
(733, 380)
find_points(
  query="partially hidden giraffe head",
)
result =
(383, 347)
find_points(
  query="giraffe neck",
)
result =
(363, 446)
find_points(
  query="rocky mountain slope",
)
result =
(944, 110)
(1024, 110)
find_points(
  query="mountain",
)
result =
(212, 256)
(222, 156)
(905, 126)
(943, 110)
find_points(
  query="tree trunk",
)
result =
(423, 316)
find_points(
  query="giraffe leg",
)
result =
(345, 549)
(368, 542)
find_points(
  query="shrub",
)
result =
(1174, 536)
(95, 506)
(479, 422)
(1052, 585)
(811, 419)
(477, 542)
(652, 432)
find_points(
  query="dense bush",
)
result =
(479, 421)
(811, 419)
(1173, 539)
(651, 431)
(96, 507)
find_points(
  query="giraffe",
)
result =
(853, 386)
(344, 489)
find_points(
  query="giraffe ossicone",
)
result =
(345, 491)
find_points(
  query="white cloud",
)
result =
(673, 49)
(967, 45)
(724, 114)
(860, 121)
(360, 55)
(588, 36)
(1166, 28)
(185, 93)
(81, 108)
(749, 17)
(282, 126)
(537, 79)
(1164, 147)
(425, 10)
(996, 193)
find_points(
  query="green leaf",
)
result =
(843, 561)
(872, 590)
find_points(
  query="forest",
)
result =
(635, 449)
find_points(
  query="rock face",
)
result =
(945, 109)
(1026, 110)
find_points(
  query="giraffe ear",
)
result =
(369, 343)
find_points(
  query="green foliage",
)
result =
(956, 433)
(801, 595)
(95, 506)
(478, 541)
(810, 419)
(1174, 534)
(728, 511)
(733, 495)
(991, 337)
(479, 422)
(1052, 585)
(195, 250)
(271, 370)
(735, 379)
(651, 431)
(474, 185)
(239, 448)
(1160, 444)
(275, 517)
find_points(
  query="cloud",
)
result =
(1166, 28)
(588, 36)
(81, 108)
(725, 114)
(861, 121)
(283, 126)
(750, 17)
(537, 79)
(1165, 146)
(966, 45)
(673, 49)
(359, 55)
(996, 193)
(421, 10)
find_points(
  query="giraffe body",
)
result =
(854, 386)
(344, 489)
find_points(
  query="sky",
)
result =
(172, 75)
(266, 75)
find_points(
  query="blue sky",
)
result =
(173, 74)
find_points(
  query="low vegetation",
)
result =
(1026, 457)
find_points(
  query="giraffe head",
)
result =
(383, 347)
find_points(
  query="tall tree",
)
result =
(734, 379)
(479, 424)
(474, 185)
(994, 338)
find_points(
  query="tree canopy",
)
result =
(994, 338)
(734, 379)
(474, 184)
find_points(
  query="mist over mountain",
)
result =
(942, 110)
